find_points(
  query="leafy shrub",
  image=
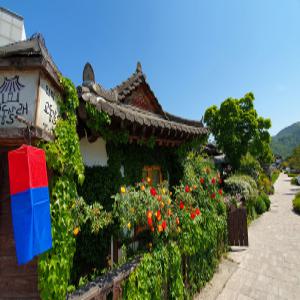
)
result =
(243, 185)
(260, 205)
(294, 181)
(296, 203)
(195, 230)
(275, 175)
(250, 166)
(266, 199)
(292, 175)
(265, 184)
(157, 270)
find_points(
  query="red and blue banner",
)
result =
(30, 203)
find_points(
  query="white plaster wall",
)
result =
(11, 27)
(94, 154)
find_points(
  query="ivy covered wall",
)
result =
(103, 182)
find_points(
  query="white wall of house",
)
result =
(94, 154)
(11, 27)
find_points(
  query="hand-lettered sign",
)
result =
(18, 94)
(30, 96)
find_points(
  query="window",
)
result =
(154, 173)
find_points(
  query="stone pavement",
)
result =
(270, 267)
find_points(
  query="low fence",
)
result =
(108, 285)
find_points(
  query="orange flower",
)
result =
(149, 214)
(159, 197)
(142, 187)
(148, 179)
(177, 221)
(169, 212)
(76, 231)
(162, 204)
(194, 187)
(169, 201)
(159, 228)
(158, 215)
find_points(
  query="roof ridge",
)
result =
(135, 76)
(33, 46)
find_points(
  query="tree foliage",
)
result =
(294, 160)
(238, 129)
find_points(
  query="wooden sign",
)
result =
(47, 110)
(29, 95)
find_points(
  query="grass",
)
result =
(296, 203)
(292, 175)
(275, 176)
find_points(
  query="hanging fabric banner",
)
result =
(30, 203)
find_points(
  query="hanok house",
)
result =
(132, 107)
(29, 87)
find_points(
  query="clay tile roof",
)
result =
(33, 47)
(132, 83)
(112, 102)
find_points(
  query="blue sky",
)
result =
(195, 53)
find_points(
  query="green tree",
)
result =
(294, 160)
(238, 129)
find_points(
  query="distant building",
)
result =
(11, 27)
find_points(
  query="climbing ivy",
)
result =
(96, 119)
(103, 182)
(99, 122)
(68, 210)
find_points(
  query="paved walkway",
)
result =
(270, 267)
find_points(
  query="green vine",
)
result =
(192, 145)
(96, 119)
(68, 210)
(103, 182)
(100, 121)
(150, 142)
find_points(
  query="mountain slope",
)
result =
(286, 140)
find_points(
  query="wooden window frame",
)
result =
(150, 169)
